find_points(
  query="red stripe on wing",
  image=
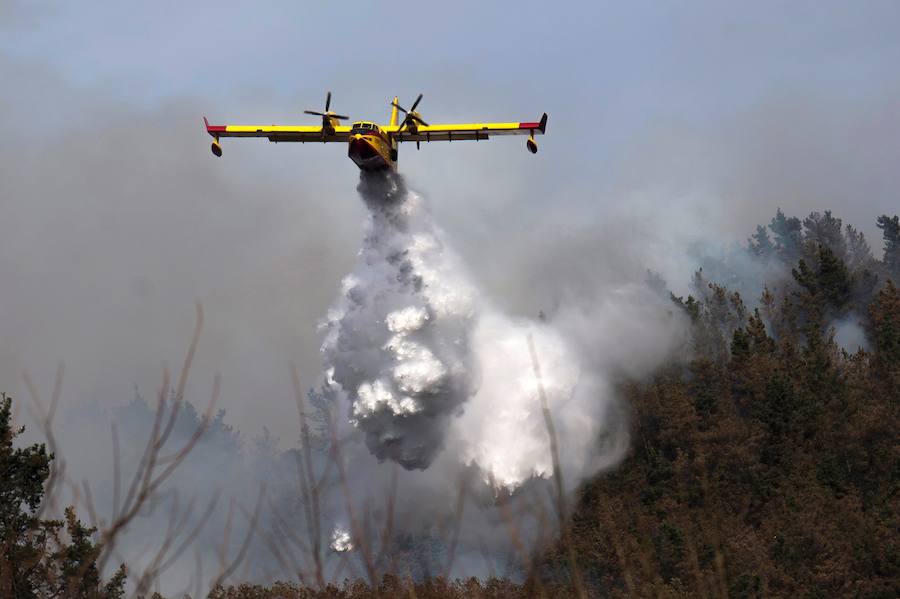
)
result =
(540, 125)
(213, 129)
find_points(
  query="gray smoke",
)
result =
(424, 371)
(426, 361)
(398, 337)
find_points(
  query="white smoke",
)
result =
(850, 335)
(433, 377)
(340, 540)
(426, 362)
(397, 338)
(503, 429)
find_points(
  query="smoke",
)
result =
(424, 371)
(849, 335)
(340, 541)
(103, 260)
(426, 361)
(398, 337)
(118, 219)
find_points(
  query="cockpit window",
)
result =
(366, 129)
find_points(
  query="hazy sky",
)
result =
(669, 122)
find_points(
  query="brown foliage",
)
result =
(771, 474)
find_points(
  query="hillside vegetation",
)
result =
(766, 465)
(764, 458)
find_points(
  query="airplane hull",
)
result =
(370, 153)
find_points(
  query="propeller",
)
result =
(412, 118)
(328, 114)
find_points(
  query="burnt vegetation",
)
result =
(767, 463)
(764, 460)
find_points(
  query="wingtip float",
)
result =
(372, 146)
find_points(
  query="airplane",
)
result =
(371, 146)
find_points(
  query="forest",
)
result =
(763, 458)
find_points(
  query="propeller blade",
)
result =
(340, 117)
(398, 107)
(418, 119)
(327, 101)
(416, 103)
(314, 112)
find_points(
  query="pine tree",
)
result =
(859, 254)
(824, 229)
(760, 244)
(884, 314)
(22, 475)
(890, 228)
(35, 561)
(788, 236)
(826, 286)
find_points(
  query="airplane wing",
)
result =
(467, 131)
(301, 133)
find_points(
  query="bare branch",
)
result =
(242, 552)
(457, 519)
(308, 486)
(44, 418)
(557, 473)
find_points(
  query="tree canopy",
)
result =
(39, 557)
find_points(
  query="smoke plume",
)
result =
(398, 337)
(426, 361)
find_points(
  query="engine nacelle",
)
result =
(531, 144)
(216, 148)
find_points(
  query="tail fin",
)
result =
(394, 111)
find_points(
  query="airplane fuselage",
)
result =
(371, 148)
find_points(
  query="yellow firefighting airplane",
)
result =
(371, 146)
